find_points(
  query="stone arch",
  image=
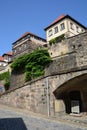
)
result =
(68, 91)
(66, 77)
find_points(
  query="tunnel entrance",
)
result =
(73, 102)
(73, 96)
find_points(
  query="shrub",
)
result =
(57, 39)
(33, 63)
(6, 77)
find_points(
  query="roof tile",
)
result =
(1, 58)
(58, 19)
(8, 53)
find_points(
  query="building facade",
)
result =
(5, 59)
(27, 43)
(64, 25)
(63, 88)
(2, 62)
(5, 62)
(7, 56)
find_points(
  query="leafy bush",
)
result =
(57, 39)
(19, 63)
(33, 63)
(5, 76)
(7, 84)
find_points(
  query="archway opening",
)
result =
(74, 102)
(73, 94)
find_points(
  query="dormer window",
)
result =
(50, 33)
(56, 30)
(62, 26)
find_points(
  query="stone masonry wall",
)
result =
(33, 95)
(68, 56)
(74, 59)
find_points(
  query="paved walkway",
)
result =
(18, 119)
(74, 119)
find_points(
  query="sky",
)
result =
(20, 16)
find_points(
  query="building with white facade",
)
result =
(64, 25)
(5, 59)
(2, 62)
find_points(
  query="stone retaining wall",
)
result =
(33, 95)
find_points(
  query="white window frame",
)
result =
(71, 26)
(56, 30)
(50, 33)
(62, 26)
(77, 29)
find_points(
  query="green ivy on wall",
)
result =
(32, 64)
(6, 77)
(57, 39)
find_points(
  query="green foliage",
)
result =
(5, 76)
(57, 39)
(33, 71)
(19, 63)
(33, 63)
(7, 84)
(52, 41)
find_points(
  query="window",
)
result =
(19, 48)
(25, 45)
(9, 59)
(62, 26)
(3, 64)
(6, 57)
(15, 51)
(71, 26)
(50, 33)
(55, 29)
(77, 29)
(82, 30)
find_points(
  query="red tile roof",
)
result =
(28, 33)
(1, 58)
(8, 53)
(63, 17)
(58, 19)
(24, 35)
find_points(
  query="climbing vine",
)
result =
(57, 39)
(32, 64)
(6, 77)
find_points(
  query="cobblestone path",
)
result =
(11, 119)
